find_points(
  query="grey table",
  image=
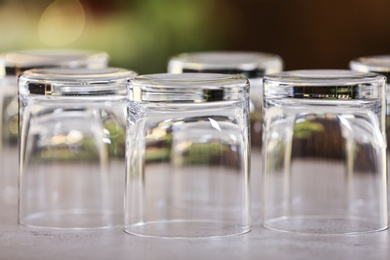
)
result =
(19, 242)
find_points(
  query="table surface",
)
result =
(20, 242)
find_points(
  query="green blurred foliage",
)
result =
(143, 34)
(139, 34)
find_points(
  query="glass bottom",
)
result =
(331, 225)
(72, 219)
(186, 229)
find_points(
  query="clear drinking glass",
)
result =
(377, 64)
(254, 65)
(187, 156)
(11, 65)
(324, 152)
(72, 147)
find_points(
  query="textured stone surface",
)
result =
(20, 242)
(17, 242)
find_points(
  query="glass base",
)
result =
(186, 229)
(72, 219)
(331, 225)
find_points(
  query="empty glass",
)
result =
(324, 152)
(11, 65)
(254, 65)
(72, 147)
(377, 64)
(187, 156)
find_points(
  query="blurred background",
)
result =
(143, 34)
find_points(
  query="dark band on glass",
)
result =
(213, 94)
(326, 92)
(40, 89)
(256, 73)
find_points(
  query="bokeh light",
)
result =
(61, 23)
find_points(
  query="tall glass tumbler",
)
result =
(11, 65)
(187, 156)
(324, 152)
(377, 64)
(254, 65)
(72, 147)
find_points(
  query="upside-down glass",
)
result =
(254, 65)
(187, 156)
(377, 64)
(324, 152)
(11, 65)
(72, 147)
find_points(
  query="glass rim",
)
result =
(189, 87)
(323, 77)
(325, 85)
(15, 62)
(231, 61)
(374, 63)
(74, 82)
